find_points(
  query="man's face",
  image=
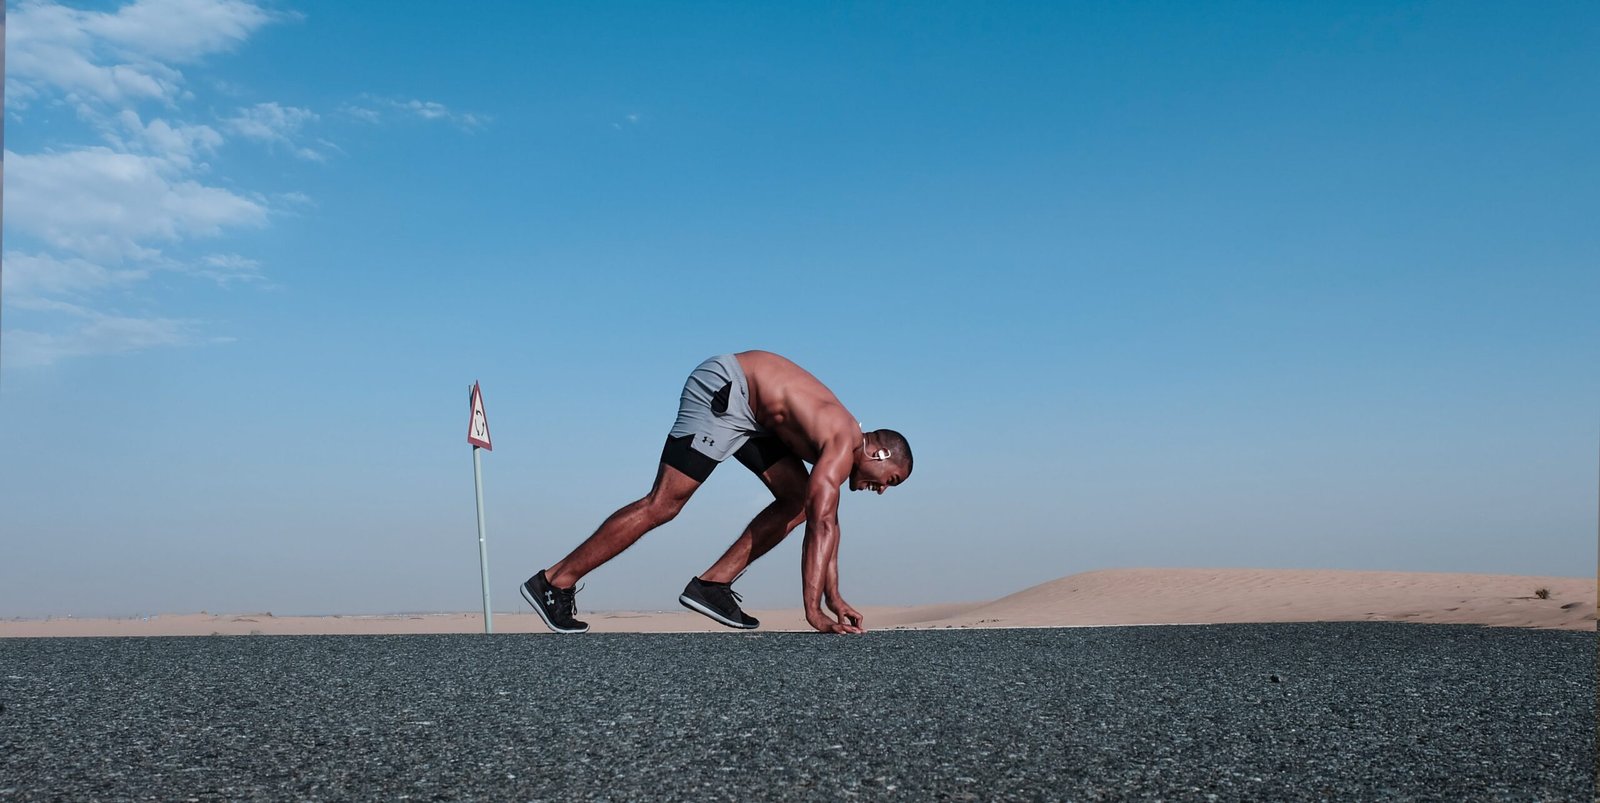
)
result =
(875, 475)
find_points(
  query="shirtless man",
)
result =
(771, 415)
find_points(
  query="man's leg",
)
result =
(619, 531)
(787, 480)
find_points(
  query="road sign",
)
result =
(478, 436)
(478, 430)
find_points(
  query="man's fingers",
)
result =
(854, 618)
(826, 624)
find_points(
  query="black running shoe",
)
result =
(555, 605)
(718, 601)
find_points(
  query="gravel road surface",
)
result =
(1339, 711)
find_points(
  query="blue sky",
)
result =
(1148, 284)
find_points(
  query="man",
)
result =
(771, 415)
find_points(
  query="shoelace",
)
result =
(730, 592)
(567, 601)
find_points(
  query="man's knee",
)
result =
(661, 508)
(793, 510)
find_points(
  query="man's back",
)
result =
(796, 406)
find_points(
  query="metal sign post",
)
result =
(478, 436)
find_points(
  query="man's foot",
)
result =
(718, 601)
(555, 605)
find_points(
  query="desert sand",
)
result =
(1097, 598)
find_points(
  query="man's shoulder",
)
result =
(762, 357)
(772, 368)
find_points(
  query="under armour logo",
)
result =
(707, 440)
(549, 597)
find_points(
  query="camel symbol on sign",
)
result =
(478, 429)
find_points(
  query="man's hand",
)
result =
(819, 554)
(824, 624)
(847, 614)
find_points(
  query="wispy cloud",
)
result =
(270, 122)
(278, 125)
(374, 110)
(178, 144)
(104, 220)
(365, 114)
(40, 276)
(91, 222)
(228, 268)
(121, 56)
(94, 333)
(104, 205)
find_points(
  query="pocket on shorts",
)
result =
(719, 400)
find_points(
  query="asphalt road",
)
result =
(1352, 711)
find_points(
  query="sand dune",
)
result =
(1152, 596)
(1107, 597)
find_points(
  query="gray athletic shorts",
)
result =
(715, 421)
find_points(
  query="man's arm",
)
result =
(831, 597)
(819, 554)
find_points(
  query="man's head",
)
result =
(882, 461)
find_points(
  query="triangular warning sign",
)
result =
(478, 429)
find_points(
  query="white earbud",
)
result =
(879, 454)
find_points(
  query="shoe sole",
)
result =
(539, 609)
(716, 617)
